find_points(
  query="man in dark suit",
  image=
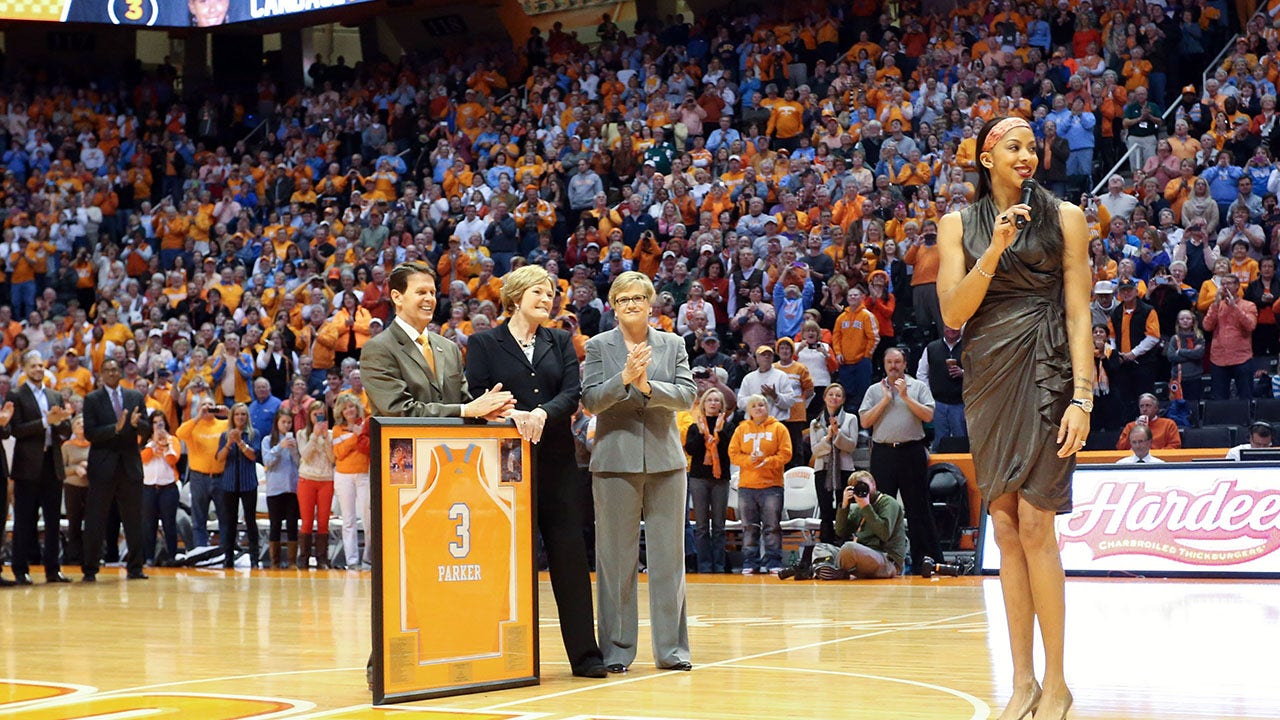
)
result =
(6, 414)
(410, 372)
(39, 425)
(114, 418)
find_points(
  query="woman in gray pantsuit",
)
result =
(635, 380)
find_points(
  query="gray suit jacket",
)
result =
(634, 433)
(399, 383)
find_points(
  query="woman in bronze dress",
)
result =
(1028, 360)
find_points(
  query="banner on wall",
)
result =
(454, 601)
(1207, 519)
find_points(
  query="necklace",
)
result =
(526, 345)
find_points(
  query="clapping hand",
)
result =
(6, 413)
(901, 386)
(136, 416)
(495, 404)
(636, 370)
(57, 414)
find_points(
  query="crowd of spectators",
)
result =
(778, 174)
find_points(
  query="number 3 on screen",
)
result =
(135, 9)
(461, 513)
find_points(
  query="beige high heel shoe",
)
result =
(1066, 708)
(1032, 702)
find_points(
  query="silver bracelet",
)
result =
(984, 273)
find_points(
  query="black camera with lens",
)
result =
(861, 489)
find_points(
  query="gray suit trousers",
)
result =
(620, 499)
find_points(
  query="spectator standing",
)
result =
(351, 477)
(941, 368)
(281, 459)
(1232, 321)
(160, 455)
(767, 380)
(237, 487)
(833, 438)
(896, 409)
(201, 435)
(315, 486)
(1136, 329)
(854, 340)
(707, 443)
(761, 448)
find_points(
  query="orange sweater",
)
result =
(925, 260)
(346, 450)
(772, 440)
(855, 336)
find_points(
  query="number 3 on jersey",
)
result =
(461, 513)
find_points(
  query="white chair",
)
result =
(733, 525)
(799, 501)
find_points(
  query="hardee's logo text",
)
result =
(1224, 526)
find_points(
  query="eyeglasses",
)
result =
(631, 300)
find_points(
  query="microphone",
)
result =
(1028, 186)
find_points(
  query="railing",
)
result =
(1204, 80)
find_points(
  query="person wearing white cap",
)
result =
(1104, 301)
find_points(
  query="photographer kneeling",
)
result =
(876, 523)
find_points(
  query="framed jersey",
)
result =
(454, 587)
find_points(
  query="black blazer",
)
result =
(27, 428)
(552, 381)
(110, 451)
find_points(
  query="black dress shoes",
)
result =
(6, 582)
(137, 575)
(57, 578)
(89, 577)
(616, 668)
(598, 670)
(22, 579)
(686, 666)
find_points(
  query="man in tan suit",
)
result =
(410, 372)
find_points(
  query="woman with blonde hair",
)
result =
(351, 476)
(634, 381)
(315, 485)
(707, 443)
(237, 486)
(538, 365)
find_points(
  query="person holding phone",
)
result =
(281, 458)
(315, 486)
(160, 454)
(201, 434)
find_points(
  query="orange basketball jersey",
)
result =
(458, 533)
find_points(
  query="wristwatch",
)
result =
(1085, 404)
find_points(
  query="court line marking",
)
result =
(730, 661)
(77, 691)
(338, 712)
(194, 681)
(294, 706)
(981, 710)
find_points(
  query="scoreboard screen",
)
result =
(162, 13)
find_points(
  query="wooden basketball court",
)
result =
(212, 644)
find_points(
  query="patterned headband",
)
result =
(999, 130)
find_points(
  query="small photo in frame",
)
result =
(512, 461)
(402, 462)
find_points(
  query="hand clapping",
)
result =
(6, 413)
(636, 371)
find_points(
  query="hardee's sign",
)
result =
(1220, 525)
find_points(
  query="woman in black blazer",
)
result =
(539, 367)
